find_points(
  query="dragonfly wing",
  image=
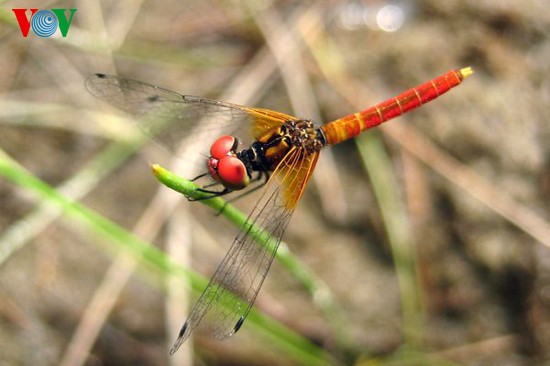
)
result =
(266, 120)
(229, 296)
(176, 120)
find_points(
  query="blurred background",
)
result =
(425, 241)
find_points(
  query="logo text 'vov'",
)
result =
(44, 22)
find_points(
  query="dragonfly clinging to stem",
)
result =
(283, 149)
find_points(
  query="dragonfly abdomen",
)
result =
(350, 126)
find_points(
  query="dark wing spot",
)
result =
(239, 324)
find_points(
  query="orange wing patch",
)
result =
(265, 120)
(293, 173)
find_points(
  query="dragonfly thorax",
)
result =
(277, 142)
(303, 134)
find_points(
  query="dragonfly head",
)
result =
(224, 165)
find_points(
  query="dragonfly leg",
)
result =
(261, 174)
(211, 193)
(206, 188)
(199, 176)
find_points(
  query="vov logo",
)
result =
(44, 23)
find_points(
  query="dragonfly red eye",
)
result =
(224, 166)
(223, 146)
(232, 173)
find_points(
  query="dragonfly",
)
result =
(280, 154)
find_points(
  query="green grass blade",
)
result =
(394, 214)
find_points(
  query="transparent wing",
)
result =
(227, 299)
(174, 119)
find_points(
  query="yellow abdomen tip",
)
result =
(465, 72)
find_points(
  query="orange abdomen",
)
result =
(350, 126)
